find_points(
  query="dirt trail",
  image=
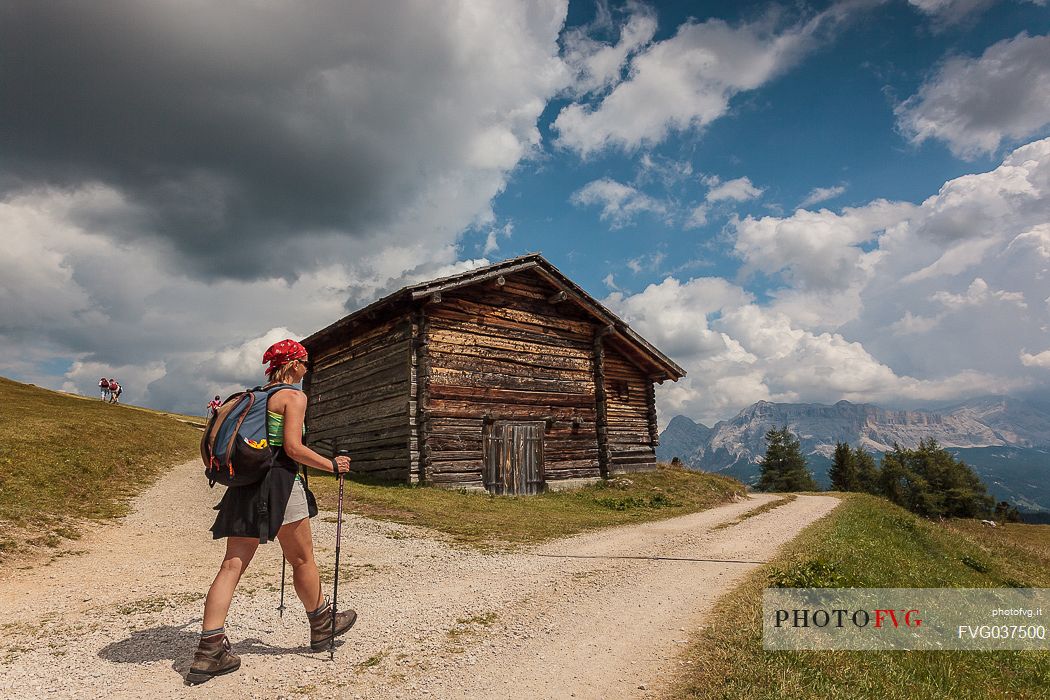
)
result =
(597, 615)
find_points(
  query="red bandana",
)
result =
(281, 353)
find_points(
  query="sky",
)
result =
(796, 201)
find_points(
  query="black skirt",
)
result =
(257, 510)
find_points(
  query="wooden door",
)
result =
(514, 457)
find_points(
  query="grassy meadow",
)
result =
(478, 518)
(868, 542)
(66, 459)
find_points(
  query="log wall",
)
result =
(360, 397)
(631, 411)
(506, 352)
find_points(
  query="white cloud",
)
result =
(596, 64)
(646, 263)
(737, 352)
(673, 315)
(974, 104)
(1041, 359)
(910, 324)
(1037, 238)
(847, 317)
(686, 81)
(667, 170)
(978, 294)
(492, 237)
(946, 13)
(697, 217)
(620, 203)
(949, 12)
(820, 250)
(822, 194)
(738, 190)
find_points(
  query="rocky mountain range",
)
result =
(1006, 440)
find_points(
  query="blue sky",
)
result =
(827, 122)
(796, 201)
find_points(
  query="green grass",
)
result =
(478, 518)
(66, 459)
(868, 542)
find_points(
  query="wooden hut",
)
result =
(508, 377)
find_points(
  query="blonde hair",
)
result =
(283, 374)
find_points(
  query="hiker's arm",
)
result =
(294, 414)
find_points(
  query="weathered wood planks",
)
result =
(416, 392)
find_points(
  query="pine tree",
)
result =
(769, 479)
(843, 472)
(930, 481)
(867, 471)
(784, 468)
(893, 477)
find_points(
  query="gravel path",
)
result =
(591, 616)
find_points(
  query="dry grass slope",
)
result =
(65, 460)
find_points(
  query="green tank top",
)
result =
(275, 432)
(275, 429)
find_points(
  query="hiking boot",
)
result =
(213, 658)
(321, 625)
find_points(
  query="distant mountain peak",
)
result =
(737, 445)
(686, 421)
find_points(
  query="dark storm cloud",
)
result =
(181, 182)
(228, 125)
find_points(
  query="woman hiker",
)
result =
(291, 505)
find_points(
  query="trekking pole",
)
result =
(280, 608)
(338, 540)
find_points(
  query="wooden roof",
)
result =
(619, 332)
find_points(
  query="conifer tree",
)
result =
(893, 476)
(930, 481)
(843, 472)
(784, 468)
(867, 471)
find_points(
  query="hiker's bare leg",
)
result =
(298, 545)
(239, 553)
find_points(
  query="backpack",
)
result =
(235, 449)
(112, 384)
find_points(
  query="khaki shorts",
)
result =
(297, 509)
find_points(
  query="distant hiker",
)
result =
(115, 390)
(103, 387)
(289, 505)
(213, 406)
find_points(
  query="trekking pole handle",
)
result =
(339, 453)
